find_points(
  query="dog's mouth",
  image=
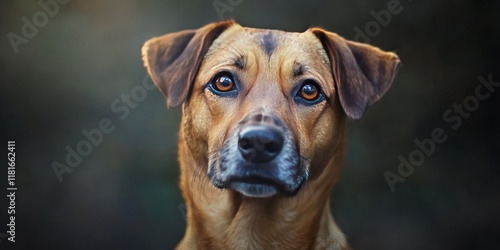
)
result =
(253, 181)
(255, 186)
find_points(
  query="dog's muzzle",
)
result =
(259, 159)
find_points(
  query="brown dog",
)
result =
(262, 133)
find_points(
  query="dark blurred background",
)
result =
(124, 195)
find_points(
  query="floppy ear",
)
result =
(173, 60)
(362, 73)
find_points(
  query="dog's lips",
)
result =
(254, 186)
(254, 190)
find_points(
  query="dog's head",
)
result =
(263, 109)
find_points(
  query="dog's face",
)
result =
(268, 97)
(264, 109)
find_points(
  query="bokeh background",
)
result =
(125, 194)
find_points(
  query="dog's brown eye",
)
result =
(309, 91)
(223, 83)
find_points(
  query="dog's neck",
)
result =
(225, 219)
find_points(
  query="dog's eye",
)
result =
(223, 82)
(310, 92)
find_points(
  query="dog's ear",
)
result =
(173, 60)
(362, 73)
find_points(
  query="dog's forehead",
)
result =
(272, 43)
(269, 40)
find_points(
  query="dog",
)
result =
(262, 135)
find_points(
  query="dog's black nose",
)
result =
(259, 143)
